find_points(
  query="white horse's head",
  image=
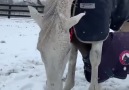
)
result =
(54, 41)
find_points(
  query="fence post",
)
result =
(9, 13)
(36, 8)
(9, 9)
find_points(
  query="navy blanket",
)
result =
(100, 15)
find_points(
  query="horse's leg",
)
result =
(71, 69)
(95, 59)
(125, 27)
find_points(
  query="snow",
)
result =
(32, 1)
(21, 67)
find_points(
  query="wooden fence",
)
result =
(17, 10)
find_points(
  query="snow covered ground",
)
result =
(21, 67)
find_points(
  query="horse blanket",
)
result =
(115, 58)
(100, 15)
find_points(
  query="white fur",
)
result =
(36, 16)
(54, 44)
(71, 69)
(95, 59)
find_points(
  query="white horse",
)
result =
(54, 44)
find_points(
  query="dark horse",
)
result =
(94, 26)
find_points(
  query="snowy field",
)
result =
(21, 67)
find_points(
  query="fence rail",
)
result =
(17, 10)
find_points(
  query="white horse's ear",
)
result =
(36, 16)
(70, 22)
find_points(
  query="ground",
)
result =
(21, 67)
